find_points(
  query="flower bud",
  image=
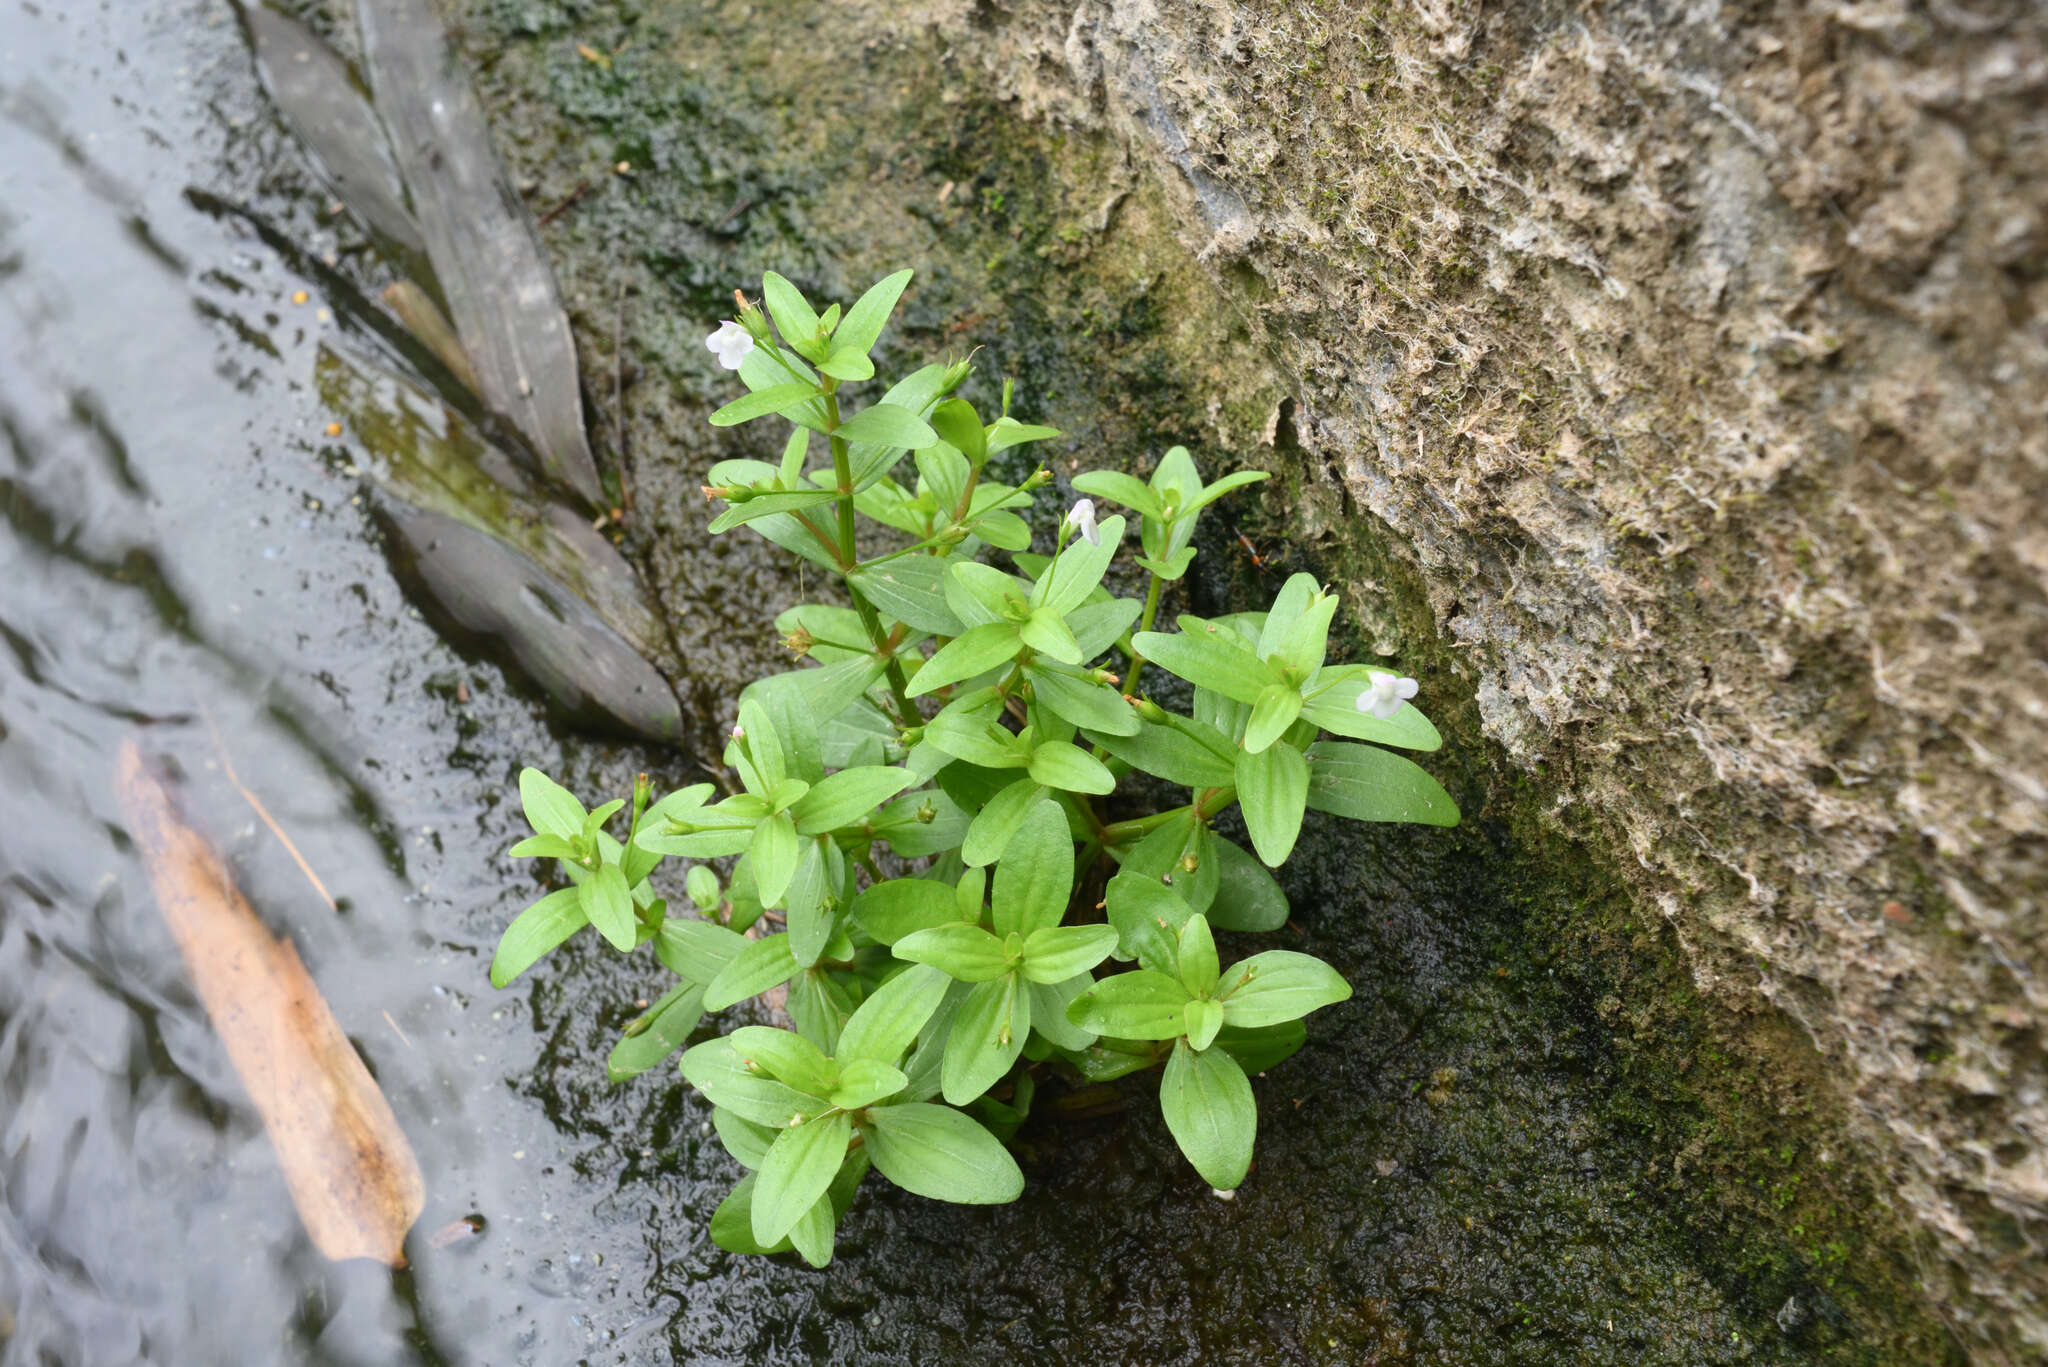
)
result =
(1147, 709)
(955, 376)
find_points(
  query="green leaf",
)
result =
(1147, 916)
(1332, 703)
(864, 321)
(921, 823)
(608, 902)
(732, 1224)
(794, 450)
(961, 951)
(761, 403)
(536, 932)
(1009, 432)
(1260, 1049)
(848, 363)
(794, 317)
(786, 793)
(1366, 783)
(863, 1082)
(1049, 1003)
(956, 421)
(813, 1234)
(1171, 568)
(967, 728)
(1185, 752)
(945, 473)
(695, 950)
(1272, 788)
(544, 847)
(988, 1034)
(787, 1057)
(714, 1069)
(1145, 1004)
(762, 743)
(843, 798)
(1206, 655)
(1221, 487)
(885, 424)
(937, 1152)
(764, 963)
(1197, 957)
(1203, 1018)
(1176, 480)
(885, 1024)
(975, 651)
(1048, 634)
(891, 910)
(819, 1002)
(1069, 768)
(1208, 1105)
(1078, 569)
(773, 853)
(1247, 897)
(1118, 487)
(909, 589)
(1294, 598)
(1036, 875)
(1274, 711)
(808, 904)
(1079, 699)
(800, 1166)
(1166, 853)
(551, 809)
(1001, 528)
(1279, 985)
(998, 821)
(1057, 953)
(1096, 626)
(1301, 646)
(768, 505)
(979, 593)
(743, 1139)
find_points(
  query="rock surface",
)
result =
(1694, 357)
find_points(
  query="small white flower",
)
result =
(730, 344)
(1082, 515)
(1385, 694)
(739, 732)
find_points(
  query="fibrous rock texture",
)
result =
(1693, 355)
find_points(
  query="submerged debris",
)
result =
(501, 293)
(316, 92)
(351, 1172)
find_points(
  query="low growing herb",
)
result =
(924, 810)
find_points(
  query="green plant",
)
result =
(926, 882)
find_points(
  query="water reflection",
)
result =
(182, 564)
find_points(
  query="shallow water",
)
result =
(184, 558)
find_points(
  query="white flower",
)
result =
(1082, 515)
(730, 344)
(1385, 694)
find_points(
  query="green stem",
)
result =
(1125, 832)
(842, 471)
(1145, 620)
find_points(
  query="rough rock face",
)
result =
(1695, 355)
